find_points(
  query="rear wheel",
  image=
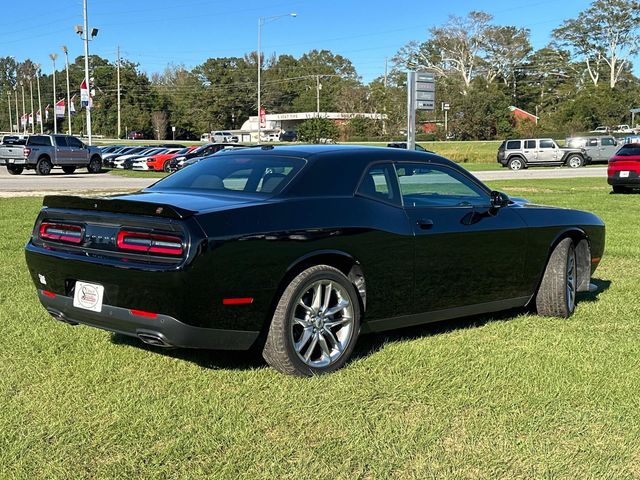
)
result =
(95, 165)
(556, 296)
(620, 189)
(166, 166)
(516, 163)
(69, 169)
(43, 167)
(575, 161)
(15, 169)
(315, 325)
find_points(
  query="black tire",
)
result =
(69, 169)
(15, 169)
(516, 163)
(166, 167)
(556, 296)
(95, 165)
(44, 166)
(575, 161)
(620, 189)
(279, 349)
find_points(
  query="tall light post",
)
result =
(38, 73)
(53, 57)
(66, 61)
(24, 108)
(10, 114)
(33, 120)
(15, 90)
(262, 21)
(94, 31)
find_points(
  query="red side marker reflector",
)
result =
(142, 313)
(49, 294)
(237, 301)
(595, 260)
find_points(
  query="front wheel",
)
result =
(69, 169)
(516, 164)
(95, 165)
(44, 166)
(15, 169)
(315, 325)
(575, 161)
(166, 167)
(556, 296)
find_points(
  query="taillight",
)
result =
(149, 243)
(26, 152)
(61, 232)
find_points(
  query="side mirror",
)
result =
(499, 200)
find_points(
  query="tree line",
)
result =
(582, 79)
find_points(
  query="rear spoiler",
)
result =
(106, 204)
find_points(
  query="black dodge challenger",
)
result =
(297, 250)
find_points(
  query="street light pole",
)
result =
(24, 108)
(38, 73)
(15, 90)
(10, 116)
(53, 57)
(66, 61)
(33, 120)
(261, 22)
(86, 67)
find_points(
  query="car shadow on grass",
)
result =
(367, 345)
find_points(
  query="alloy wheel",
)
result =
(322, 323)
(571, 278)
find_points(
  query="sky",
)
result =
(155, 33)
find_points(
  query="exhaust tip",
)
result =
(154, 340)
(61, 318)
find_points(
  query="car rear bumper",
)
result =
(614, 178)
(156, 329)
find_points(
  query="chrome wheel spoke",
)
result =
(327, 296)
(324, 346)
(304, 305)
(317, 293)
(342, 304)
(311, 348)
(339, 321)
(336, 344)
(307, 333)
(302, 322)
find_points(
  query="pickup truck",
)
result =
(43, 152)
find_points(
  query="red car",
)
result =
(160, 162)
(623, 173)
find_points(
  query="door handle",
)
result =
(424, 224)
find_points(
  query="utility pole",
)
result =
(318, 88)
(411, 111)
(15, 90)
(385, 73)
(66, 61)
(24, 108)
(53, 57)
(384, 104)
(33, 120)
(118, 75)
(86, 67)
(10, 119)
(40, 102)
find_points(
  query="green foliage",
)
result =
(364, 127)
(316, 130)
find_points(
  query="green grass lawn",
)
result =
(136, 173)
(507, 396)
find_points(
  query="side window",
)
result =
(431, 185)
(547, 144)
(513, 145)
(592, 142)
(379, 183)
(531, 144)
(61, 142)
(608, 142)
(74, 142)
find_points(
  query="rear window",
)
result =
(248, 174)
(513, 145)
(39, 140)
(629, 151)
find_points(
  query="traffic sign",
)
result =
(425, 91)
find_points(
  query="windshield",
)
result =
(255, 174)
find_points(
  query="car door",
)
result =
(547, 152)
(608, 148)
(78, 151)
(466, 253)
(592, 147)
(63, 151)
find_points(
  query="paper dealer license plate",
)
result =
(88, 296)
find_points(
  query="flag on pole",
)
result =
(60, 108)
(84, 94)
(46, 113)
(38, 117)
(23, 120)
(31, 119)
(72, 106)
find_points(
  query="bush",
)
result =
(317, 130)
